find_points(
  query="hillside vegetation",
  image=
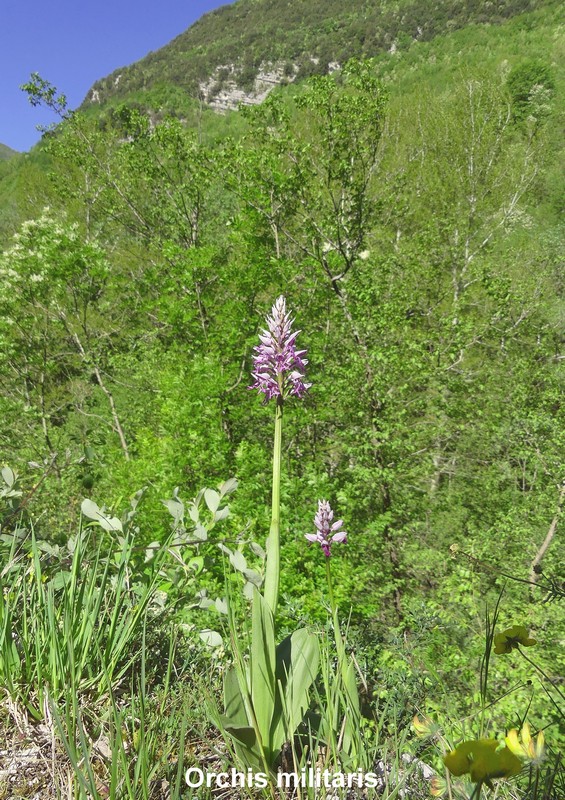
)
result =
(6, 152)
(303, 37)
(409, 207)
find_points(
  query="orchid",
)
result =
(278, 366)
(266, 695)
(328, 532)
(278, 372)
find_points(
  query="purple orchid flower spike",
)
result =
(328, 532)
(278, 369)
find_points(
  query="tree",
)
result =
(58, 327)
(531, 85)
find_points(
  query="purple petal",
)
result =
(276, 357)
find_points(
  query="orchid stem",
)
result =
(272, 570)
(339, 643)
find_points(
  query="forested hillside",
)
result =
(410, 209)
(6, 152)
(235, 43)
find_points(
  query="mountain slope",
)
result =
(238, 52)
(413, 68)
(6, 152)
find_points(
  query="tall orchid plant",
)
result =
(265, 698)
(278, 373)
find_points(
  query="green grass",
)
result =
(96, 669)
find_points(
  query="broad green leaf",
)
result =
(244, 734)
(351, 689)
(110, 523)
(236, 724)
(175, 508)
(245, 744)
(352, 715)
(211, 638)
(238, 561)
(221, 606)
(222, 513)
(248, 590)
(228, 486)
(196, 564)
(9, 476)
(234, 704)
(92, 511)
(262, 667)
(297, 659)
(212, 500)
(253, 577)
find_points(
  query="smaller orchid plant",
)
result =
(345, 714)
(328, 532)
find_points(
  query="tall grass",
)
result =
(74, 626)
(113, 720)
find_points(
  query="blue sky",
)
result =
(72, 43)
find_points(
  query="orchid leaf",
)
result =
(297, 659)
(262, 666)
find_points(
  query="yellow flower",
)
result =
(527, 749)
(483, 759)
(509, 639)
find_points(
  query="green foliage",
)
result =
(411, 213)
(531, 85)
(73, 627)
(310, 36)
